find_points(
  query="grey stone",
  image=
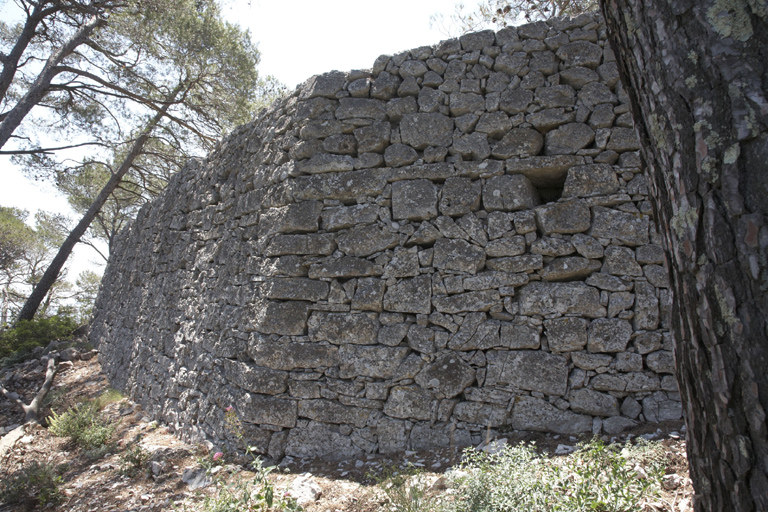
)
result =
(460, 196)
(596, 93)
(480, 414)
(409, 402)
(412, 295)
(646, 307)
(577, 77)
(631, 408)
(608, 382)
(620, 261)
(628, 362)
(623, 139)
(385, 86)
(340, 186)
(657, 407)
(343, 328)
(398, 155)
(392, 335)
(404, 263)
(523, 263)
(531, 413)
(421, 339)
(569, 268)
(520, 142)
(549, 119)
(519, 337)
(473, 146)
(492, 279)
(341, 217)
(587, 361)
(580, 53)
(324, 162)
(556, 96)
(626, 227)
(320, 440)
(566, 334)
(511, 64)
(414, 200)
(640, 382)
(373, 138)
(617, 424)
(370, 361)
(515, 101)
(414, 68)
(469, 301)
(361, 108)
(282, 245)
(254, 378)
(392, 436)
(341, 144)
(465, 103)
(428, 129)
(293, 355)
(544, 62)
(567, 139)
(328, 411)
(648, 342)
(507, 246)
(447, 377)
(289, 318)
(301, 217)
(295, 288)
(563, 217)
(656, 275)
(366, 240)
(661, 361)
(587, 246)
(602, 116)
(587, 401)
(430, 100)
(494, 124)
(544, 171)
(608, 282)
(548, 246)
(650, 254)
(609, 335)
(477, 40)
(590, 180)
(619, 302)
(541, 298)
(527, 369)
(457, 255)
(267, 410)
(344, 267)
(509, 193)
(369, 294)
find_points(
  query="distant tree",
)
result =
(497, 14)
(161, 83)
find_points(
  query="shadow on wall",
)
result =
(402, 257)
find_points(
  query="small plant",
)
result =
(595, 478)
(258, 495)
(35, 484)
(109, 396)
(407, 491)
(84, 426)
(134, 460)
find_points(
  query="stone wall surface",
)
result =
(400, 258)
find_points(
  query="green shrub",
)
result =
(134, 461)
(596, 478)
(18, 342)
(84, 426)
(408, 491)
(34, 484)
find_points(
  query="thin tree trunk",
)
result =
(697, 75)
(39, 87)
(52, 272)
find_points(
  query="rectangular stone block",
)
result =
(370, 361)
(529, 370)
(343, 328)
(291, 356)
(544, 298)
(295, 288)
(286, 318)
(412, 295)
(414, 200)
(301, 217)
(344, 186)
(458, 256)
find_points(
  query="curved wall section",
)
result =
(400, 258)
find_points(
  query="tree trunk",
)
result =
(696, 72)
(52, 272)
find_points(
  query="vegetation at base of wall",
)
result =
(135, 461)
(19, 341)
(84, 426)
(597, 477)
(37, 483)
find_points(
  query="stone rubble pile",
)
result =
(404, 257)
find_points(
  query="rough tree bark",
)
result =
(697, 74)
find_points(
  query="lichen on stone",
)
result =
(730, 18)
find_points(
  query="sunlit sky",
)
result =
(297, 39)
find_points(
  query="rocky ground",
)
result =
(174, 470)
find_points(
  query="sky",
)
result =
(297, 39)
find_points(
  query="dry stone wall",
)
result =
(400, 258)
